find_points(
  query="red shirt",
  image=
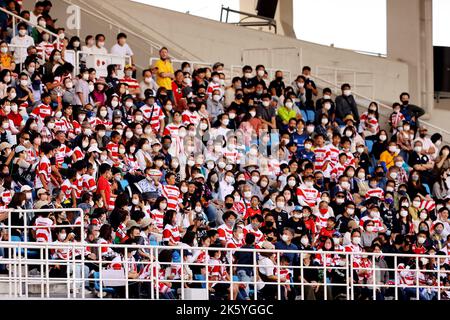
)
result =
(104, 185)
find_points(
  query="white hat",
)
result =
(25, 188)
(94, 149)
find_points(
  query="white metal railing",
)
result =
(154, 47)
(384, 109)
(339, 76)
(177, 63)
(101, 61)
(28, 215)
(17, 17)
(236, 71)
(358, 273)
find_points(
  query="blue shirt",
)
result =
(299, 140)
(281, 245)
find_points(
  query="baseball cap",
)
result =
(267, 245)
(146, 222)
(25, 188)
(19, 149)
(41, 191)
(5, 145)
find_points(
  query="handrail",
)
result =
(152, 44)
(19, 262)
(381, 104)
(15, 16)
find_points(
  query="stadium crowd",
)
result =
(190, 158)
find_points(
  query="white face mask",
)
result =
(292, 183)
(62, 236)
(114, 103)
(216, 97)
(280, 205)
(347, 92)
(247, 194)
(356, 241)
(383, 138)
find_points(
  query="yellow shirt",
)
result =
(387, 158)
(166, 67)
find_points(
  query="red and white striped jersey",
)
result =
(189, 117)
(375, 193)
(62, 152)
(233, 243)
(6, 197)
(330, 260)
(369, 122)
(231, 155)
(78, 153)
(45, 49)
(396, 119)
(173, 196)
(337, 171)
(322, 218)
(321, 155)
(216, 270)
(89, 183)
(429, 205)
(350, 159)
(104, 249)
(214, 86)
(239, 207)
(132, 83)
(156, 115)
(225, 233)
(308, 196)
(334, 154)
(42, 111)
(94, 121)
(171, 233)
(42, 229)
(62, 253)
(259, 236)
(377, 223)
(158, 216)
(172, 129)
(43, 169)
(65, 125)
(113, 149)
(66, 188)
(121, 232)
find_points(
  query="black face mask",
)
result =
(279, 78)
(269, 224)
(163, 97)
(239, 96)
(422, 135)
(191, 109)
(228, 205)
(405, 103)
(380, 174)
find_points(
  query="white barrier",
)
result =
(74, 282)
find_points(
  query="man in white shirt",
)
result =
(99, 47)
(23, 40)
(121, 48)
(37, 12)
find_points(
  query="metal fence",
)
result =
(351, 275)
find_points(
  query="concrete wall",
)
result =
(208, 40)
(409, 39)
